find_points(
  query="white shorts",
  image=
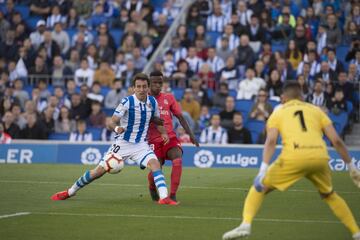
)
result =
(141, 153)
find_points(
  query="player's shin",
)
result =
(84, 180)
(342, 211)
(175, 176)
(160, 183)
(252, 204)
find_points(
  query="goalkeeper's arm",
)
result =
(340, 147)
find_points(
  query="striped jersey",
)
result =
(135, 118)
(211, 135)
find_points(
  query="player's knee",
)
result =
(174, 153)
(326, 195)
(154, 164)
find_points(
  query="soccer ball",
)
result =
(113, 164)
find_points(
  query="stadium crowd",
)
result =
(66, 65)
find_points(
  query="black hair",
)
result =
(156, 74)
(140, 76)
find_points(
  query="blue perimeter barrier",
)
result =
(207, 156)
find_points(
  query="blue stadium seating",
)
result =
(214, 110)
(23, 10)
(212, 37)
(59, 136)
(210, 93)
(243, 105)
(340, 121)
(32, 21)
(158, 3)
(349, 106)
(278, 47)
(96, 133)
(116, 34)
(178, 93)
(256, 128)
(233, 93)
(341, 52)
(104, 91)
(108, 111)
(273, 103)
(71, 32)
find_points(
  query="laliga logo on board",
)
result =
(90, 156)
(204, 159)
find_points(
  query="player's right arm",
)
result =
(119, 112)
(340, 147)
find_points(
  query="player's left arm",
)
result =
(118, 114)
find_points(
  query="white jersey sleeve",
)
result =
(122, 108)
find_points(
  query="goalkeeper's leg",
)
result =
(84, 180)
(341, 210)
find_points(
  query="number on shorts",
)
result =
(115, 148)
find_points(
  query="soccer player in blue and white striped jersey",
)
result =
(130, 122)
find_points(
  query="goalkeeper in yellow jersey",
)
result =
(304, 154)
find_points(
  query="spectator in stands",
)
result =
(229, 34)
(70, 88)
(346, 86)
(274, 85)
(194, 17)
(62, 99)
(72, 19)
(139, 61)
(182, 74)
(169, 64)
(261, 71)
(250, 86)
(115, 95)
(214, 134)
(178, 51)
(97, 117)
(304, 86)
(283, 31)
(207, 76)
(119, 66)
(293, 54)
(55, 17)
(333, 33)
(78, 109)
(61, 38)
(216, 63)
(319, 97)
(83, 8)
(95, 94)
(334, 63)
(104, 51)
(121, 20)
(285, 70)
(227, 113)
(337, 104)
(230, 73)
(300, 38)
(190, 105)
(81, 135)
(18, 118)
(51, 47)
(53, 102)
(204, 119)
(183, 136)
(10, 126)
(200, 94)
(133, 5)
(64, 124)
(245, 54)
(33, 129)
(216, 21)
(106, 134)
(351, 32)
(311, 59)
(193, 60)
(97, 17)
(131, 30)
(128, 45)
(4, 25)
(353, 73)
(142, 26)
(147, 47)
(40, 8)
(243, 13)
(84, 75)
(44, 91)
(83, 30)
(238, 134)
(224, 51)
(20, 93)
(162, 25)
(104, 75)
(60, 72)
(74, 60)
(261, 110)
(256, 33)
(47, 120)
(220, 96)
(129, 73)
(326, 73)
(4, 137)
(8, 47)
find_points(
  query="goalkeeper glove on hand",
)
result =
(259, 178)
(354, 174)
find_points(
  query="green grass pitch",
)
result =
(119, 206)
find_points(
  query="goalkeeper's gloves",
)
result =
(259, 178)
(354, 174)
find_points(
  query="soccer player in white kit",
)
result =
(134, 114)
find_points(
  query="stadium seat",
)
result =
(340, 121)
(273, 103)
(256, 128)
(108, 111)
(96, 133)
(158, 3)
(233, 93)
(71, 32)
(59, 136)
(32, 21)
(278, 47)
(212, 37)
(210, 93)
(214, 110)
(178, 93)
(341, 52)
(350, 107)
(243, 105)
(104, 91)
(23, 10)
(116, 34)
(28, 89)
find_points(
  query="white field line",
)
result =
(185, 217)
(184, 187)
(14, 215)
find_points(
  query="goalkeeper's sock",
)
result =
(252, 204)
(342, 211)
(80, 183)
(175, 175)
(160, 183)
(151, 181)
